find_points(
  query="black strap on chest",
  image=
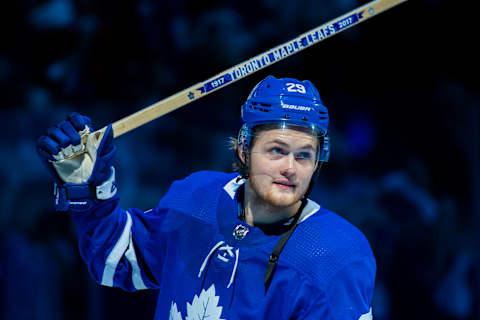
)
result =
(272, 262)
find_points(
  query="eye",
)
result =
(276, 150)
(304, 155)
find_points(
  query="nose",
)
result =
(288, 166)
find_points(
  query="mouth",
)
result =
(284, 184)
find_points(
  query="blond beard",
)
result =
(272, 201)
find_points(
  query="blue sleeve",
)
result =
(122, 248)
(128, 248)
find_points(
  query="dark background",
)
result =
(402, 91)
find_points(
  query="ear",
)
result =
(241, 155)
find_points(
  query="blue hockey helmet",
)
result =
(289, 103)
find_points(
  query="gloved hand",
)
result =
(73, 162)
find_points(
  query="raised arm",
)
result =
(112, 241)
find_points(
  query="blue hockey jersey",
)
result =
(186, 249)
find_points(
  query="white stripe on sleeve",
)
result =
(123, 246)
(132, 258)
(117, 253)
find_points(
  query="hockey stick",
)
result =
(252, 65)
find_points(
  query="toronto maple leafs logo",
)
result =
(204, 306)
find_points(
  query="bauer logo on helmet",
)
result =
(295, 107)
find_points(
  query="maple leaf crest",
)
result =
(204, 306)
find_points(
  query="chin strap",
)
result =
(82, 196)
(272, 262)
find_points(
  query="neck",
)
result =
(258, 212)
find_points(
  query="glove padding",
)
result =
(71, 161)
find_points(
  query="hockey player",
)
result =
(224, 245)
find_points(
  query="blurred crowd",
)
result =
(405, 135)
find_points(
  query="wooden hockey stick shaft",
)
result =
(251, 65)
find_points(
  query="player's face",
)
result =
(282, 163)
